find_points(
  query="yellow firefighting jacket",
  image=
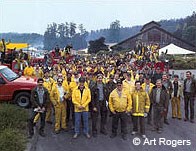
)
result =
(48, 84)
(29, 71)
(120, 104)
(81, 100)
(129, 86)
(55, 95)
(39, 73)
(141, 103)
(150, 88)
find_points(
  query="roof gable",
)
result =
(149, 25)
(154, 27)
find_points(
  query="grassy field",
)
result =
(184, 62)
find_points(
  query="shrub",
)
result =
(12, 140)
(13, 125)
(12, 116)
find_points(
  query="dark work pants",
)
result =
(150, 114)
(102, 110)
(30, 122)
(123, 119)
(189, 102)
(166, 112)
(70, 111)
(158, 116)
(141, 121)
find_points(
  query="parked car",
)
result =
(15, 88)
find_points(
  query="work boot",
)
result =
(166, 122)
(124, 137)
(94, 134)
(41, 133)
(192, 121)
(103, 132)
(49, 122)
(113, 135)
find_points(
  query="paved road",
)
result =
(177, 130)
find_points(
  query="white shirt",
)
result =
(61, 92)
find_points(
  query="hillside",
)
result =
(184, 28)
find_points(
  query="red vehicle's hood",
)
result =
(26, 80)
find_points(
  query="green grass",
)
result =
(13, 125)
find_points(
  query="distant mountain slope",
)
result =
(184, 28)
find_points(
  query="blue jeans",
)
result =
(77, 122)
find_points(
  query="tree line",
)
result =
(63, 34)
(71, 33)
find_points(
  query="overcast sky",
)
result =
(28, 16)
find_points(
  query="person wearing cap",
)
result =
(55, 72)
(29, 71)
(99, 97)
(147, 86)
(106, 76)
(90, 80)
(176, 95)
(62, 69)
(38, 72)
(120, 104)
(72, 85)
(140, 109)
(141, 77)
(134, 75)
(39, 100)
(98, 70)
(128, 84)
(74, 82)
(70, 111)
(81, 97)
(157, 75)
(58, 98)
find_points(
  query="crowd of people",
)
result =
(110, 86)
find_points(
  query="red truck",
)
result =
(15, 88)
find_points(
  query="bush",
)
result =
(12, 116)
(184, 63)
(13, 123)
(12, 140)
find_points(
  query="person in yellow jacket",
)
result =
(58, 98)
(128, 84)
(134, 75)
(147, 86)
(38, 72)
(120, 104)
(29, 71)
(141, 105)
(81, 97)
